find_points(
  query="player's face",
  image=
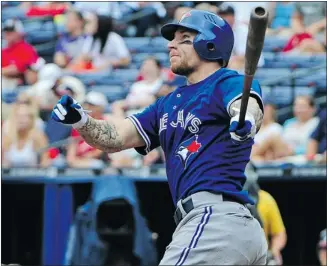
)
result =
(183, 58)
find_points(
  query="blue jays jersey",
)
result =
(191, 124)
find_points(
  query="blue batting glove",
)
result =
(247, 131)
(68, 111)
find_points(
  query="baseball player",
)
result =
(206, 152)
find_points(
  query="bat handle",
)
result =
(245, 98)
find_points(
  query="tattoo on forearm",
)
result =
(102, 135)
(253, 108)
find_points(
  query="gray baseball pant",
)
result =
(216, 232)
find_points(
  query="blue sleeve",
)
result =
(233, 89)
(147, 124)
(59, 46)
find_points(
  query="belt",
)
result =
(188, 206)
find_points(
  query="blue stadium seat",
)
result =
(283, 95)
(273, 44)
(288, 61)
(146, 44)
(266, 73)
(113, 93)
(126, 74)
(140, 57)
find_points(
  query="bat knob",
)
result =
(260, 11)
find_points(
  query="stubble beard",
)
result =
(183, 69)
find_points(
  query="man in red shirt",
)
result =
(17, 56)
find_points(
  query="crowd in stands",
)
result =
(94, 60)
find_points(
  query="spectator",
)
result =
(317, 142)
(68, 47)
(24, 140)
(48, 9)
(145, 16)
(304, 121)
(79, 153)
(272, 224)
(111, 9)
(169, 86)
(31, 73)
(180, 11)
(240, 29)
(17, 56)
(207, 7)
(269, 128)
(104, 49)
(24, 99)
(309, 27)
(51, 83)
(280, 17)
(322, 248)
(142, 93)
(291, 142)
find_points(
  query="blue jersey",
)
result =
(191, 124)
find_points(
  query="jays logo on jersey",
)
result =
(187, 148)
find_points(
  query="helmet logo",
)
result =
(211, 18)
(186, 15)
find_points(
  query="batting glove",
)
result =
(247, 131)
(68, 111)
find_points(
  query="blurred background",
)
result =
(67, 203)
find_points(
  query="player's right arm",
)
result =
(112, 135)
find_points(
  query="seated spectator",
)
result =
(111, 9)
(79, 153)
(240, 29)
(280, 16)
(52, 83)
(31, 73)
(20, 146)
(272, 224)
(269, 128)
(291, 142)
(169, 86)
(69, 45)
(24, 99)
(125, 159)
(322, 248)
(104, 50)
(17, 56)
(309, 27)
(180, 11)
(317, 142)
(144, 16)
(207, 7)
(48, 9)
(142, 93)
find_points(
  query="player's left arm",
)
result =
(254, 113)
(253, 110)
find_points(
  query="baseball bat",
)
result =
(254, 44)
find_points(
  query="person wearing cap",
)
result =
(322, 248)
(79, 153)
(17, 56)
(240, 29)
(52, 83)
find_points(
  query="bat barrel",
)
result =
(256, 35)
(254, 44)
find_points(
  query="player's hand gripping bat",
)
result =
(254, 44)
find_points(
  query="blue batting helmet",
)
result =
(215, 38)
